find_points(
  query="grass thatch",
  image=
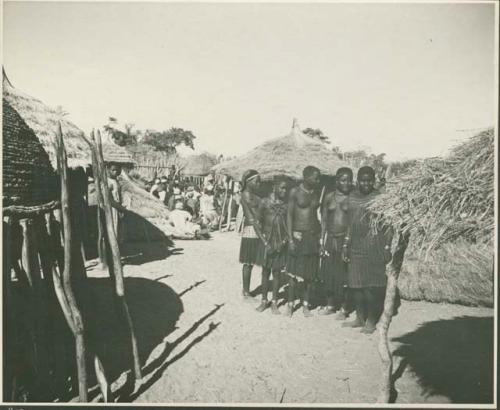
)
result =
(198, 165)
(43, 120)
(455, 273)
(287, 155)
(442, 199)
(447, 205)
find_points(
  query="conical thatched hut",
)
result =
(29, 183)
(43, 120)
(287, 155)
(198, 165)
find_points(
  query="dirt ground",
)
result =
(201, 342)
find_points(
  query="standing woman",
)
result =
(334, 224)
(251, 232)
(367, 250)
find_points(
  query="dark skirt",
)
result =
(249, 251)
(275, 260)
(333, 272)
(304, 262)
(367, 266)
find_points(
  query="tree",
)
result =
(121, 138)
(168, 141)
(316, 134)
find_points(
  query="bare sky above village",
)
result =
(399, 78)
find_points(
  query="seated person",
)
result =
(176, 196)
(192, 202)
(181, 220)
(208, 208)
(154, 188)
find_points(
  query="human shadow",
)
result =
(453, 358)
(157, 367)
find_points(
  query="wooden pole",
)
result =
(66, 275)
(393, 271)
(222, 210)
(115, 252)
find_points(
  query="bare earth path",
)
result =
(223, 351)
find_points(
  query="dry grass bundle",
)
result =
(457, 272)
(443, 199)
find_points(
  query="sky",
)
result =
(403, 79)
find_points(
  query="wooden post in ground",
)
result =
(393, 270)
(222, 210)
(115, 251)
(78, 330)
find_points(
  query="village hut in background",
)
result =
(283, 156)
(195, 167)
(287, 155)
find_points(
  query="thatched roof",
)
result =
(43, 120)
(198, 165)
(287, 155)
(28, 177)
(440, 200)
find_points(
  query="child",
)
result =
(334, 221)
(114, 170)
(273, 210)
(304, 232)
(367, 252)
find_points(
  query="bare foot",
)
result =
(354, 323)
(274, 309)
(369, 327)
(306, 311)
(263, 306)
(341, 315)
(247, 295)
(289, 310)
(328, 310)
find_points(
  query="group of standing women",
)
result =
(330, 245)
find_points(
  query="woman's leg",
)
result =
(265, 289)
(371, 310)
(247, 273)
(360, 309)
(307, 298)
(291, 296)
(276, 289)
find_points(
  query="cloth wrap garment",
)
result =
(304, 261)
(275, 258)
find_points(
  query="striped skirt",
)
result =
(333, 272)
(249, 247)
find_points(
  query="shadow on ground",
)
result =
(452, 358)
(154, 308)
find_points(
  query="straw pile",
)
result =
(287, 156)
(447, 205)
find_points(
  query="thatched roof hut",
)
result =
(29, 183)
(287, 155)
(198, 165)
(43, 120)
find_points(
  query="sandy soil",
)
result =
(208, 345)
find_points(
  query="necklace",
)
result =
(306, 190)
